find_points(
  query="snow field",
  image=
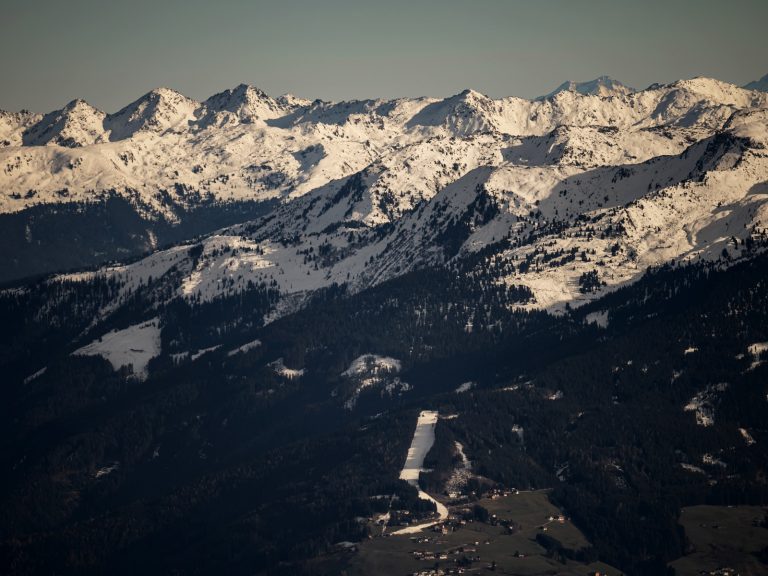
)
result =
(134, 346)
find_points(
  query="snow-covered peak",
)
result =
(709, 87)
(77, 124)
(243, 144)
(157, 111)
(761, 84)
(470, 95)
(468, 112)
(247, 104)
(701, 102)
(604, 86)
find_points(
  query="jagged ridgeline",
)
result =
(617, 177)
(575, 284)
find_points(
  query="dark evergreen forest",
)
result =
(221, 464)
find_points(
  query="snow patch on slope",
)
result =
(245, 348)
(747, 436)
(134, 346)
(36, 375)
(372, 370)
(758, 352)
(703, 404)
(369, 365)
(282, 370)
(465, 387)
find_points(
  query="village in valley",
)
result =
(491, 529)
(516, 532)
(502, 530)
(479, 526)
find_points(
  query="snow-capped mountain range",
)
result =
(594, 178)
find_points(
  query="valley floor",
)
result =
(476, 546)
(724, 537)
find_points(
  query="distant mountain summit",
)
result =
(77, 124)
(761, 84)
(465, 113)
(247, 104)
(603, 86)
(157, 111)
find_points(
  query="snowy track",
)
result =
(423, 439)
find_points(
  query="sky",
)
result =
(110, 53)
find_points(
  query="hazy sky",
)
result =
(110, 53)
